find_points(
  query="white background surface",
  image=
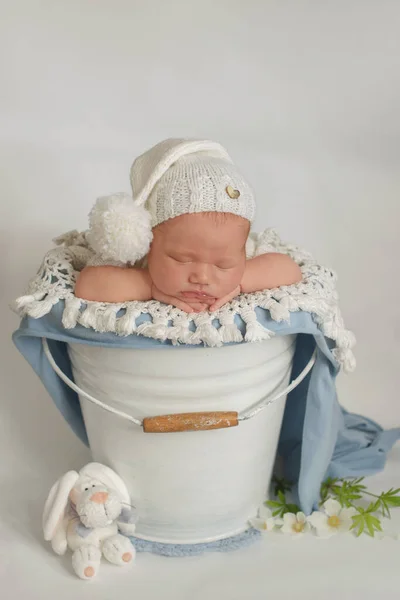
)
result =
(305, 95)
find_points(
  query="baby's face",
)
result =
(199, 257)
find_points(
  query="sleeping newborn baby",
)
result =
(182, 239)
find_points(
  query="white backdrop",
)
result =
(304, 94)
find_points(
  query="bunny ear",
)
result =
(108, 477)
(56, 503)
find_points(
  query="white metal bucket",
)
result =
(188, 487)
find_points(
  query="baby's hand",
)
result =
(188, 308)
(221, 301)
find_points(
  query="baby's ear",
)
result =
(73, 496)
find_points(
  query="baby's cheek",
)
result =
(168, 278)
(173, 278)
(232, 279)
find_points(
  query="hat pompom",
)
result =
(119, 229)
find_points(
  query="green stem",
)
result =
(363, 492)
(370, 494)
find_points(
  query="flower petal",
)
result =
(289, 519)
(259, 524)
(318, 519)
(347, 513)
(345, 525)
(332, 507)
(301, 517)
(271, 523)
(288, 529)
(307, 528)
(264, 512)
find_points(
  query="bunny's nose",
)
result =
(99, 497)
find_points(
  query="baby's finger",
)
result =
(182, 306)
(199, 307)
(217, 305)
(173, 301)
(221, 301)
(179, 304)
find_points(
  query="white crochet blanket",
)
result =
(316, 294)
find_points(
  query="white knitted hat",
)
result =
(173, 178)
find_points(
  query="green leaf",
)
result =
(392, 501)
(281, 485)
(370, 529)
(330, 481)
(329, 487)
(393, 492)
(378, 505)
(386, 501)
(381, 505)
(358, 522)
(355, 481)
(355, 484)
(287, 509)
(293, 508)
(282, 497)
(391, 497)
(347, 500)
(385, 509)
(373, 524)
(343, 490)
(281, 506)
(365, 521)
(371, 508)
(348, 491)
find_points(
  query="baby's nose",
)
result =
(199, 275)
(99, 497)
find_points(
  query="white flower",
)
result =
(333, 520)
(265, 521)
(295, 524)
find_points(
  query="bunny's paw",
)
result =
(86, 561)
(118, 550)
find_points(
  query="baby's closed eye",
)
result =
(225, 266)
(181, 259)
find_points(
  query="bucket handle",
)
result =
(199, 421)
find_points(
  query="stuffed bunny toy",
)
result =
(87, 512)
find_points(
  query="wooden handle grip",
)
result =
(200, 421)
